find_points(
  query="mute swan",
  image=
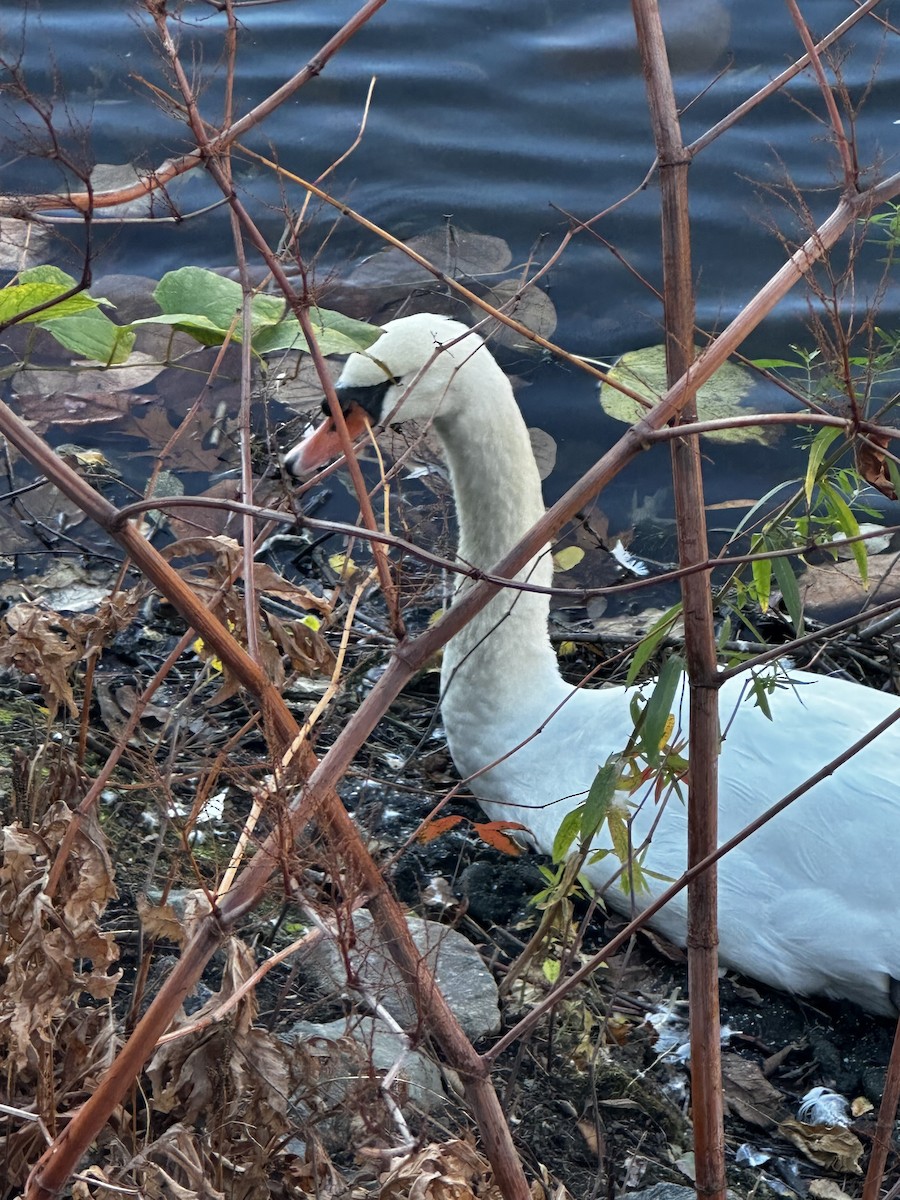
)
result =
(809, 903)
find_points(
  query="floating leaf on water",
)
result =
(543, 447)
(457, 252)
(453, 251)
(533, 308)
(644, 372)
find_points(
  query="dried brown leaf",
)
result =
(749, 1095)
(826, 1189)
(39, 642)
(831, 1146)
(870, 462)
(306, 648)
(452, 1170)
(50, 941)
(160, 922)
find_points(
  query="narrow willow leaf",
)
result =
(651, 640)
(618, 829)
(659, 706)
(772, 364)
(893, 474)
(760, 693)
(566, 834)
(817, 452)
(599, 798)
(787, 582)
(849, 526)
(762, 574)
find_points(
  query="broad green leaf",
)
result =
(651, 640)
(93, 335)
(599, 798)
(817, 452)
(205, 305)
(203, 329)
(47, 274)
(659, 706)
(335, 334)
(196, 292)
(19, 298)
(790, 593)
(893, 474)
(566, 834)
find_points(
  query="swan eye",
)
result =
(370, 399)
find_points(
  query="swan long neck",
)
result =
(506, 647)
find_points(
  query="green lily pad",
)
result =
(644, 372)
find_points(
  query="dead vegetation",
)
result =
(175, 724)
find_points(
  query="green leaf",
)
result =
(205, 305)
(849, 525)
(550, 968)
(48, 274)
(651, 640)
(203, 329)
(893, 473)
(93, 335)
(195, 292)
(759, 690)
(19, 298)
(566, 834)
(773, 364)
(817, 452)
(618, 829)
(787, 582)
(762, 573)
(599, 799)
(644, 372)
(659, 706)
(567, 558)
(335, 334)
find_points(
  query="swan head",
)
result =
(419, 369)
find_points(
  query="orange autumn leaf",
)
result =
(493, 832)
(431, 830)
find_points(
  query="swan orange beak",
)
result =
(323, 445)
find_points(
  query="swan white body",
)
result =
(810, 903)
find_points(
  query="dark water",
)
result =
(500, 116)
